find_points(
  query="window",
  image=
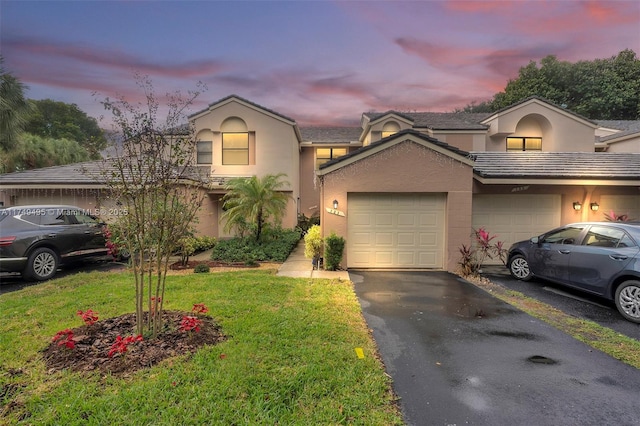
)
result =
(524, 144)
(326, 154)
(235, 148)
(602, 236)
(389, 129)
(204, 152)
(569, 235)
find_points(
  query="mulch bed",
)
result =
(178, 266)
(93, 342)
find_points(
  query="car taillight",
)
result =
(7, 241)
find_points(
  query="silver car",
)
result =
(601, 258)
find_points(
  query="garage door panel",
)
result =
(407, 230)
(384, 239)
(515, 217)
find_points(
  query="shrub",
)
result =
(201, 268)
(304, 222)
(483, 247)
(334, 248)
(313, 244)
(274, 246)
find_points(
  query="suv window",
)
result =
(85, 218)
(54, 217)
(568, 235)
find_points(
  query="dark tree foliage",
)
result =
(59, 120)
(34, 152)
(14, 108)
(605, 89)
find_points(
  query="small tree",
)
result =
(255, 202)
(151, 176)
(313, 245)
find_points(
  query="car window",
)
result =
(604, 236)
(569, 235)
(85, 218)
(626, 241)
(54, 217)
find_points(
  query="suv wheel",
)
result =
(628, 300)
(42, 264)
(519, 268)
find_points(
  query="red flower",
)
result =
(200, 308)
(65, 337)
(190, 323)
(89, 317)
(120, 345)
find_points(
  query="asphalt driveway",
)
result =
(459, 356)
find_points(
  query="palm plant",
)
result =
(14, 108)
(255, 201)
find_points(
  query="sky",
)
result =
(317, 62)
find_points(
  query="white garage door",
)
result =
(395, 231)
(515, 217)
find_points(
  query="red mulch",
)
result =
(93, 342)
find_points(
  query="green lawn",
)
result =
(290, 357)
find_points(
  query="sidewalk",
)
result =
(298, 266)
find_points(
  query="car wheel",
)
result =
(519, 268)
(42, 264)
(628, 300)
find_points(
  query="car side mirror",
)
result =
(535, 240)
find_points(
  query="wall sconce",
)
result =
(335, 204)
(594, 206)
(577, 205)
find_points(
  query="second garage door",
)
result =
(515, 217)
(395, 231)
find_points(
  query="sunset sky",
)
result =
(321, 62)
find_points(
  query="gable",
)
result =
(447, 152)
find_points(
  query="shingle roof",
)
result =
(330, 134)
(564, 165)
(439, 120)
(245, 101)
(623, 125)
(398, 135)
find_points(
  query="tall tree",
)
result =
(256, 200)
(607, 89)
(14, 108)
(33, 152)
(59, 120)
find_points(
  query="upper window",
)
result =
(235, 142)
(204, 152)
(389, 129)
(326, 154)
(524, 144)
(235, 148)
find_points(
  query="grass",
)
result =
(619, 346)
(290, 357)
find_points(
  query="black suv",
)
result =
(35, 240)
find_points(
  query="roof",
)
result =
(243, 100)
(438, 120)
(330, 134)
(557, 165)
(374, 146)
(543, 100)
(622, 125)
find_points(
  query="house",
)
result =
(404, 189)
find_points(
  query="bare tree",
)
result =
(152, 178)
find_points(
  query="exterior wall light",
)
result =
(335, 204)
(594, 206)
(577, 205)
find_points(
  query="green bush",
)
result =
(200, 268)
(334, 248)
(313, 244)
(274, 246)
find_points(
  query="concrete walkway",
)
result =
(298, 266)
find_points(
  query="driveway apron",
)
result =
(459, 356)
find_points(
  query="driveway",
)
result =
(459, 356)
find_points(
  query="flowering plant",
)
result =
(613, 217)
(190, 323)
(120, 345)
(474, 257)
(89, 317)
(65, 338)
(199, 308)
